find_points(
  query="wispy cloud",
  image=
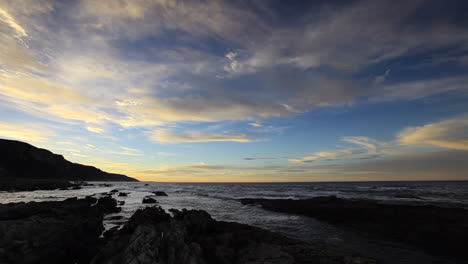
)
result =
(166, 136)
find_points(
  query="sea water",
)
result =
(220, 200)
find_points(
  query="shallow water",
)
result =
(220, 200)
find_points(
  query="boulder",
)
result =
(149, 200)
(51, 232)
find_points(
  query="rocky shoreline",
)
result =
(71, 231)
(437, 230)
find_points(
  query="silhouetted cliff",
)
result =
(21, 160)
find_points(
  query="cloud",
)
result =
(258, 158)
(327, 155)
(95, 129)
(166, 136)
(256, 124)
(452, 133)
(421, 88)
(370, 147)
(35, 133)
(10, 21)
(370, 144)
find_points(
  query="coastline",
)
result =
(220, 202)
(70, 232)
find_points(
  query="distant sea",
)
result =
(220, 200)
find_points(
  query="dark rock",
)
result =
(19, 160)
(149, 200)
(122, 194)
(121, 202)
(114, 191)
(153, 236)
(75, 188)
(110, 232)
(50, 232)
(146, 184)
(159, 193)
(116, 217)
(107, 205)
(436, 229)
(17, 184)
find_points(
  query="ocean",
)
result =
(220, 200)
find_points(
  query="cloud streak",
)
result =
(165, 136)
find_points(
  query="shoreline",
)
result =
(380, 248)
(437, 230)
(70, 231)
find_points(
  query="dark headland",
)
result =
(26, 167)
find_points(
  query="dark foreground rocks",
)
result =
(71, 231)
(440, 231)
(153, 236)
(52, 232)
(19, 185)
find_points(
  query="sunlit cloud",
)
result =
(452, 133)
(95, 129)
(148, 73)
(10, 21)
(166, 136)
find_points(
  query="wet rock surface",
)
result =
(438, 230)
(52, 232)
(149, 200)
(153, 236)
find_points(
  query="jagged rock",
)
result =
(122, 194)
(121, 202)
(159, 193)
(436, 229)
(153, 236)
(149, 200)
(51, 232)
(107, 205)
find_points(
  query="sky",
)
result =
(228, 91)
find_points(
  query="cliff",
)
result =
(21, 160)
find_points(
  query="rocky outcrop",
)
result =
(149, 200)
(22, 160)
(438, 230)
(153, 236)
(52, 232)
